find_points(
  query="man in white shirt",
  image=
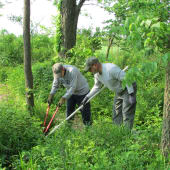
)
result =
(111, 76)
(77, 88)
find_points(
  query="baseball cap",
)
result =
(90, 61)
(57, 68)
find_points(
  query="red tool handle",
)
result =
(45, 130)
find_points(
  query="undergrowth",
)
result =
(101, 146)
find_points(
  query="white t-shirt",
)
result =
(111, 77)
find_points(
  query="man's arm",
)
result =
(97, 86)
(55, 86)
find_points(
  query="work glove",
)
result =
(61, 101)
(84, 101)
(132, 98)
(50, 99)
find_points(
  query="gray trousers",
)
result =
(123, 111)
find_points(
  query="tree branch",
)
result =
(80, 4)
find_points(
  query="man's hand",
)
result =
(132, 98)
(84, 101)
(50, 99)
(61, 101)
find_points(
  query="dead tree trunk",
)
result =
(27, 56)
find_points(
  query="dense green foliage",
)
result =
(142, 36)
(19, 132)
(142, 29)
(87, 44)
(100, 147)
(81, 147)
(11, 48)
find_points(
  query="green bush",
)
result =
(43, 78)
(19, 132)
(11, 49)
(86, 45)
(42, 47)
(150, 104)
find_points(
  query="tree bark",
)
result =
(165, 143)
(69, 19)
(27, 56)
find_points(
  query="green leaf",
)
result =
(148, 23)
(157, 25)
(132, 27)
(155, 19)
(142, 23)
(147, 42)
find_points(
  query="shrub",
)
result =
(42, 47)
(11, 49)
(19, 132)
(86, 45)
(43, 78)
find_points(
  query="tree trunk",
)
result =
(69, 19)
(27, 56)
(109, 46)
(166, 115)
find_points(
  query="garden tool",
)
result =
(57, 126)
(49, 124)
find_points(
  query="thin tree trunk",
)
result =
(109, 46)
(27, 56)
(166, 116)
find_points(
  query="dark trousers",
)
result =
(85, 111)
